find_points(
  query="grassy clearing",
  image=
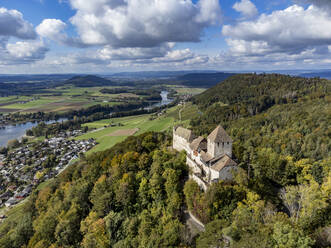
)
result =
(70, 98)
(182, 90)
(14, 213)
(186, 113)
(8, 99)
(34, 103)
(90, 92)
(142, 122)
(66, 98)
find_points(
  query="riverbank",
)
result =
(18, 131)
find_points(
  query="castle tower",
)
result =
(219, 143)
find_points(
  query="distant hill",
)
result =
(89, 81)
(32, 78)
(204, 80)
(321, 74)
(156, 74)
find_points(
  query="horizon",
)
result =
(281, 71)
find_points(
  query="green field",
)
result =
(183, 114)
(34, 103)
(66, 98)
(142, 122)
(63, 99)
(182, 90)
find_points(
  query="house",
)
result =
(12, 201)
(210, 159)
(5, 196)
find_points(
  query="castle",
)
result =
(210, 160)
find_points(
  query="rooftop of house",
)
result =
(184, 133)
(206, 157)
(223, 162)
(219, 135)
(198, 143)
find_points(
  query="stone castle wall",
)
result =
(180, 144)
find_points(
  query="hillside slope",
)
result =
(128, 196)
(203, 80)
(282, 139)
(246, 95)
(89, 81)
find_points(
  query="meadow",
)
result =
(70, 97)
(182, 90)
(107, 136)
(60, 99)
(109, 132)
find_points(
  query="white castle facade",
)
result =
(210, 160)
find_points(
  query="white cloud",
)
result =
(12, 24)
(210, 12)
(323, 4)
(142, 23)
(246, 8)
(248, 47)
(22, 52)
(109, 53)
(292, 30)
(52, 29)
(124, 57)
(168, 57)
(176, 56)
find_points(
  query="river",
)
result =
(11, 132)
(165, 101)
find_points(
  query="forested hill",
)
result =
(261, 91)
(245, 95)
(128, 196)
(203, 80)
(89, 81)
(282, 139)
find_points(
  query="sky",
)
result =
(106, 36)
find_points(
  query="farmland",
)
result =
(104, 134)
(60, 99)
(69, 97)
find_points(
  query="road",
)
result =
(193, 225)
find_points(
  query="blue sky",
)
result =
(103, 36)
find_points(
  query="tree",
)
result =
(304, 201)
(96, 235)
(213, 236)
(285, 236)
(67, 230)
(13, 143)
(192, 193)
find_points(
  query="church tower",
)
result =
(219, 143)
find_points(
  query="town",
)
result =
(24, 168)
